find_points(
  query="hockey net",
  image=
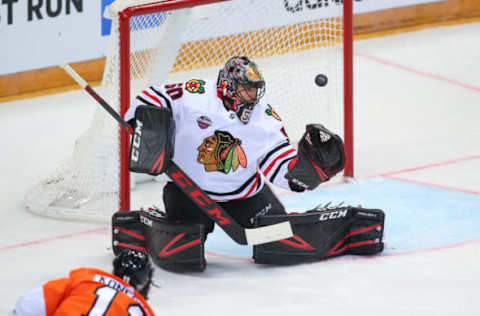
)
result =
(173, 41)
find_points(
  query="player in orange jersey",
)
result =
(89, 291)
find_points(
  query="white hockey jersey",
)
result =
(228, 159)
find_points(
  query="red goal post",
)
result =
(171, 41)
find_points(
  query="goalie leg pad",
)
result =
(174, 246)
(366, 233)
(128, 232)
(323, 234)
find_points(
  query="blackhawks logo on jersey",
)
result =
(270, 111)
(195, 86)
(221, 152)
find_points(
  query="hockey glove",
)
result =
(321, 155)
(153, 141)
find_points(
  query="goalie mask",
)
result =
(135, 268)
(235, 82)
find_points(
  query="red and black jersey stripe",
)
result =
(247, 189)
(275, 159)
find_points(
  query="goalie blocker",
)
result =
(153, 140)
(323, 234)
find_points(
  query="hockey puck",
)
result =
(321, 80)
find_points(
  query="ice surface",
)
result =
(417, 155)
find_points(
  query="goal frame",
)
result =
(124, 17)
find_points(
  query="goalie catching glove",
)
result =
(321, 155)
(153, 140)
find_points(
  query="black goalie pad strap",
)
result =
(323, 234)
(128, 232)
(174, 246)
(152, 142)
(321, 155)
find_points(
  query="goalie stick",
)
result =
(241, 235)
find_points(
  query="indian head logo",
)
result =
(221, 152)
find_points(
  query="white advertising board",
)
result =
(282, 12)
(37, 34)
(42, 33)
(377, 5)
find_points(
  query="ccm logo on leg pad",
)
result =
(342, 213)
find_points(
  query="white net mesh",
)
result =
(291, 42)
(86, 186)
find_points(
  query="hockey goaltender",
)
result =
(220, 143)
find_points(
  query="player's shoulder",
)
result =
(87, 270)
(268, 115)
(87, 273)
(82, 271)
(197, 87)
(199, 93)
(191, 93)
(199, 90)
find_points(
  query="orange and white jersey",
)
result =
(86, 291)
(228, 159)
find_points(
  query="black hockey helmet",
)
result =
(133, 267)
(240, 70)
